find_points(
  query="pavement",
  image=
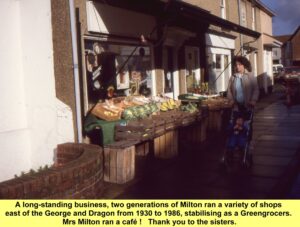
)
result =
(196, 172)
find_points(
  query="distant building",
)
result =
(291, 48)
(276, 55)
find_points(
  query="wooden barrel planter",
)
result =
(119, 162)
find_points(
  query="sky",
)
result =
(287, 18)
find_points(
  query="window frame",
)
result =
(253, 18)
(223, 8)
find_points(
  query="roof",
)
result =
(263, 7)
(286, 38)
(295, 32)
(282, 38)
(200, 15)
(181, 11)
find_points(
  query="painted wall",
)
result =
(213, 5)
(112, 20)
(266, 23)
(32, 120)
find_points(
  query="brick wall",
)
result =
(76, 174)
(296, 46)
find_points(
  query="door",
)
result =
(192, 65)
(219, 70)
(168, 64)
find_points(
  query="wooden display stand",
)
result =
(204, 126)
(166, 146)
(142, 149)
(215, 119)
(195, 133)
(119, 162)
(140, 130)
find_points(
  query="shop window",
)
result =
(253, 18)
(211, 65)
(192, 69)
(125, 68)
(218, 61)
(168, 70)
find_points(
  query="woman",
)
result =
(242, 89)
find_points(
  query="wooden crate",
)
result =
(159, 127)
(142, 149)
(169, 121)
(193, 133)
(215, 120)
(141, 130)
(119, 162)
(204, 110)
(166, 146)
(188, 119)
(100, 111)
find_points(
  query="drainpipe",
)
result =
(240, 23)
(76, 71)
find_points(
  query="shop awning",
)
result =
(181, 11)
(270, 42)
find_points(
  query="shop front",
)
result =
(219, 55)
(180, 62)
(144, 82)
(118, 60)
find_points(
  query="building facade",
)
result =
(290, 48)
(64, 49)
(252, 15)
(277, 56)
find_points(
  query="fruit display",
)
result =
(128, 114)
(141, 112)
(169, 104)
(191, 97)
(148, 109)
(190, 107)
(154, 107)
(101, 110)
(134, 107)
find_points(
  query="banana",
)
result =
(163, 108)
(172, 102)
(165, 105)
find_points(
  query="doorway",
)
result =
(192, 66)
